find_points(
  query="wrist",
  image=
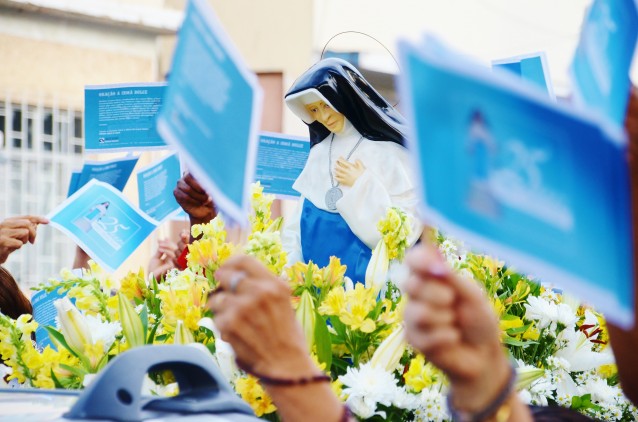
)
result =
(476, 394)
(300, 366)
(495, 406)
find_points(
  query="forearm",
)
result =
(491, 392)
(308, 403)
(625, 342)
(81, 259)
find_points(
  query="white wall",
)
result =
(486, 29)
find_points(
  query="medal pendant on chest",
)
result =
(332, 196)
(334, 193)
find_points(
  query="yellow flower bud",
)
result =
(306, 316)
(182, 334)
(377, 271)
(131, 323)
(389, 352)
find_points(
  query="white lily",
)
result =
(306, 316)
(182, 334)
(389, 352)
(377, 271)
(73, 325)
(577, 350)
(526, 375)
(224, 353)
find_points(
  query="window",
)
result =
(39, 147)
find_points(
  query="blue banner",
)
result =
(511, 172)
(212, 111)
(280, 160)
(114, 172)
(44, 314)
(122, 117)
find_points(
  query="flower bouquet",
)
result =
(354, 330)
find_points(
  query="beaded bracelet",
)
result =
(493, 408)
(287, 382)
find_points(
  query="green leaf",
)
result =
(339, 326)
(514, 342)
(57, 336)
(212, 347)
(517, 330)
(151, 336)
(57, 383)
(74, 370)
(323, 341)
(144, 318)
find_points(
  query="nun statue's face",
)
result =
(326, 115)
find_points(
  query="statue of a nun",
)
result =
(358, 167)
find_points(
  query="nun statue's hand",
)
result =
(347, 173)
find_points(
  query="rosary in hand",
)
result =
(334, 193)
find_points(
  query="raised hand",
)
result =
(164, 259)
(450, 321)
(17, 231)
(190, 195)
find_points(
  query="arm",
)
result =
(165, 258)
(16, 232)
(190, 195)
(257, 319)
(81, 259)
(450, 321)
(625, 342)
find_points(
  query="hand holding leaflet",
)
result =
(510, 171)
(103, 223)
(212, 110)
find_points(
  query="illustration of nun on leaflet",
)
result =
(358, 167)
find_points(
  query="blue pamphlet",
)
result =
(73, 183)
(122, 116)
(114, 172)
(155, 185)
(103, 223)
(510, 171)
(531, 67)
(212, 110)
(600, 68)
(280, 160)
(44, 314)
